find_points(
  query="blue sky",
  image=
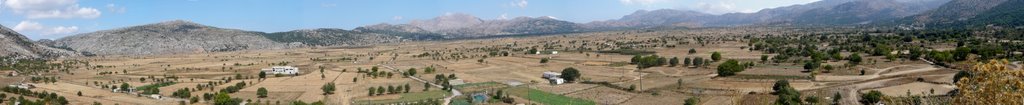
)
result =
(51, 19)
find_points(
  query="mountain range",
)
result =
(179, 36)
(18, 46)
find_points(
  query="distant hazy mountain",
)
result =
(18, 46)
(447, 22)
(404, 31)
(824, 12)
(330, 37)
(964, 13)
(167, 38)
(1009, 13)
(866, 11)
(655, 18)
(464, 25)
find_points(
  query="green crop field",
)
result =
(547, 98)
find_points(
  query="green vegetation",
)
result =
(43, 98)
(871, 97)
(730, 68)
(786, 93)
(546, 98)
(692, 101)
(154, 87)
(673, 62)
(328, 88)
(715, 56)
(570, 74)
(261, 92)
(225, 99)
(648, 61)
(182, 93)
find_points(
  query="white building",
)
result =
(546, 52)
(118, 90)
(554, 77)
(556, 81)
(23, 86)
(549, 74)
(281, 70)
(156, 96)
(456, 82)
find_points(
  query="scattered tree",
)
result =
(871, 97)
(261, 92)
(729, 68)
(570, 74)
(673, 62)
(716, 56)
(328, 88)
(263, 75)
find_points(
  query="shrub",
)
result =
(729, 68)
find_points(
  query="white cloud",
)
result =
(503, 16)
(717, 7)
(519, 3)
(61, 30)
(115, 9)
(28, 26)
(35, 27)
(641, 2)
(397, 18)
(40, 9)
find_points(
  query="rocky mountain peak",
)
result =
(447, 22)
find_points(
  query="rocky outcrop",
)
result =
(15, 45)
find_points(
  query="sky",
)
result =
(52, 19)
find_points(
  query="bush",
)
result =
(729, 68)
(262, 92)
(692, 101)
(871, 97)
(673, 62)
(716, 56)
(787, 95)
(854, 59)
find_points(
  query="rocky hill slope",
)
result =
(15, 45)
(169, 37)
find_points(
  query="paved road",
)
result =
(447, 100)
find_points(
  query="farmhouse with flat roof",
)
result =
(281, 70)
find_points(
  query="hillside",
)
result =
(330, 37)
(458, 25)
(865, 12)
(18, 46)
(954, 13)
(169, 37)
(1006, 14)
